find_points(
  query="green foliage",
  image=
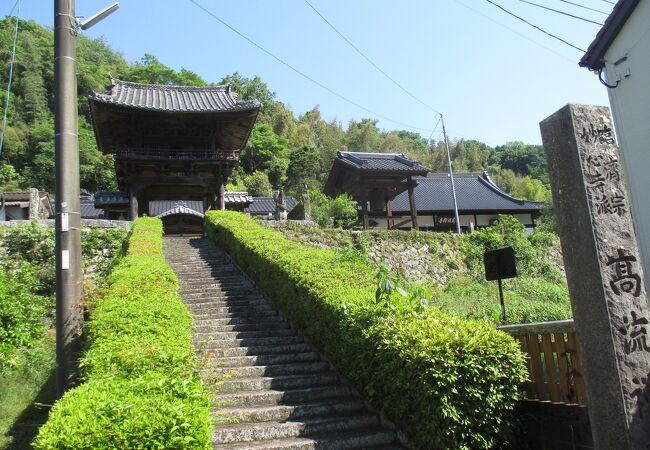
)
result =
(278, 146)
(447, 382)
(140, 388)
(26, 389)
(258, 184)
(339, 212)
(151, 71)
(21, 314)
(521, 158)
(453, 272)
(303, 167)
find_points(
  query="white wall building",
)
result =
(620, 55)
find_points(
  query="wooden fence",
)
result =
(555, 372)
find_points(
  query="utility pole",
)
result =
(451, 175)
(69, 274)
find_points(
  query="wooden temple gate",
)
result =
(374, 180)
(172, 142)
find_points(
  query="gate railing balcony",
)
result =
(162, 154)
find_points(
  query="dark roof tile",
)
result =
(185, 99)
(266, 205)
(393, 162)
(474, 192)
(167, 207)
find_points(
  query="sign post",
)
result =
(500, 264)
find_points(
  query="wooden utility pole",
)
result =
(69, 274)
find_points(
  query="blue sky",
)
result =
(493, 77)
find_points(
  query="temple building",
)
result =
(395, 192)
(169, 142)
(374, 180)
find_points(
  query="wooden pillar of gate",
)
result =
(413, 207)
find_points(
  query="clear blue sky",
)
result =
(493, 77)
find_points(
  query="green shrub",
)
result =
(447, 382)
(21, 313)
(140, 388)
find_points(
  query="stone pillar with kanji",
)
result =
(604, 273)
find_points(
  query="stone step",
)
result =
(280, 382)
(210, 286)
(207, 313)
(266, 360)
(238, 320)
(250, 432)
(270, 371)
(198, 278)
(221, 299)
(201, 336)
(243, 310)
(369, 439)
(343, 405)
(260, 326)
(251, 342)
(266, 376)
(197, 275)
(263, 350)
(219, 292)
(228, 302)
(283, 397)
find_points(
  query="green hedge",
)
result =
(140, 388)
(445, 381)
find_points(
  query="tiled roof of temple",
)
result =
(167, 98)
(393, 162)
(474, 192)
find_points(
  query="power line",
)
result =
(515, 32)
(13, 8)
(535, 26)
(11, 74)
(371, 62)
(302, 74)
(585, 7)
(561, 12)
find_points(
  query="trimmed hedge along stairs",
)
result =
(139, 389)
(446, 382)
(272, 384)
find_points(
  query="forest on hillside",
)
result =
(286, 149)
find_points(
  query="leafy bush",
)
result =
(140, 387)
(453, 267)
(33, 244)
(339, 212)
(21, 313)
(447, 382)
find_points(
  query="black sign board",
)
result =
(500, 264)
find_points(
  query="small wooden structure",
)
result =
(374, 180)
(172, 142)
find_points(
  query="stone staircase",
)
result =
(275, 391)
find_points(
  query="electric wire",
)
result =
(299, 72)
(561, 12)
(485, 16)
(371, 62)
(533, 25)
(11, 74)
(13, 8)
(585, 7)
